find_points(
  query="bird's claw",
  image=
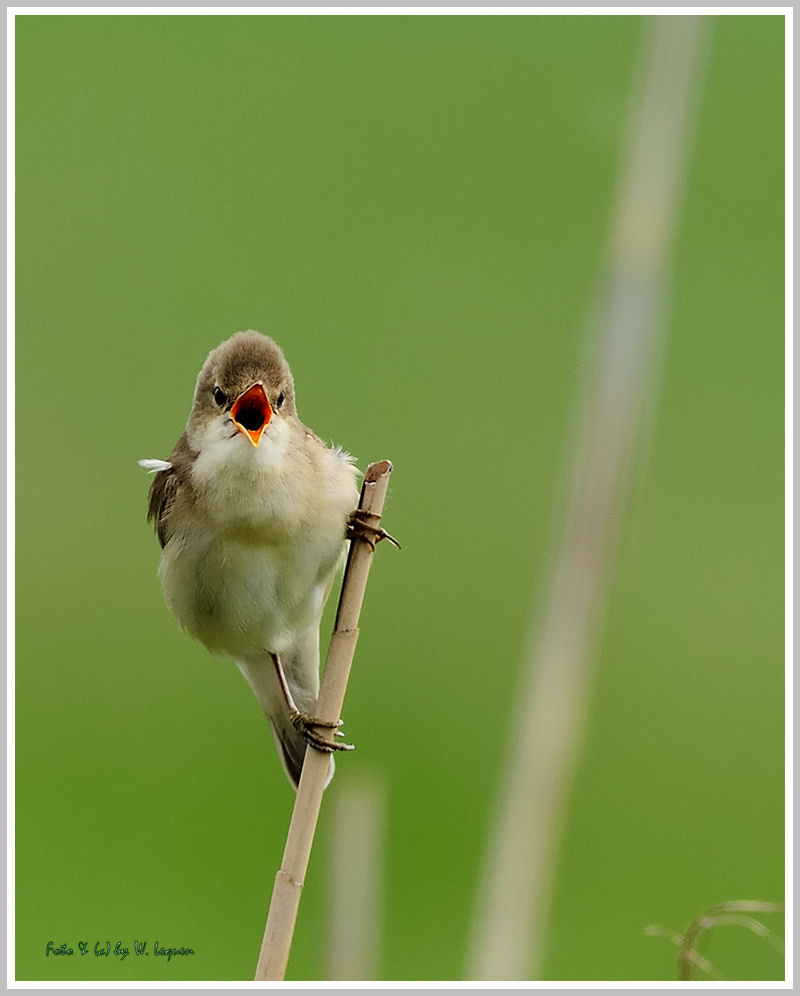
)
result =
(364, 525)
(305, 724)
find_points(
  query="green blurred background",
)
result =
(416, 208)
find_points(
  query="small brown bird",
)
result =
(252, 511)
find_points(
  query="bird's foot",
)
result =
(364, 525)
(305, 724)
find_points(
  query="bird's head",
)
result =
(243, 388)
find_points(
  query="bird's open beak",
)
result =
(251, 412)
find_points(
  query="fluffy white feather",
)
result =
(153, 466)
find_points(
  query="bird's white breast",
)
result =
(251, 562)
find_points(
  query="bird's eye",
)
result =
(220, 396)
(280, 400)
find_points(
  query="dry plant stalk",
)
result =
(275, 947)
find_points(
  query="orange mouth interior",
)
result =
(252, 412)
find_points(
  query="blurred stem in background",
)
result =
(625, 339)
(356, 880)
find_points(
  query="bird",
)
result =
(254, 514)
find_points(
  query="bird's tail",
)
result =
(291, 744)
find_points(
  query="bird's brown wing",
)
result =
(166, 486)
